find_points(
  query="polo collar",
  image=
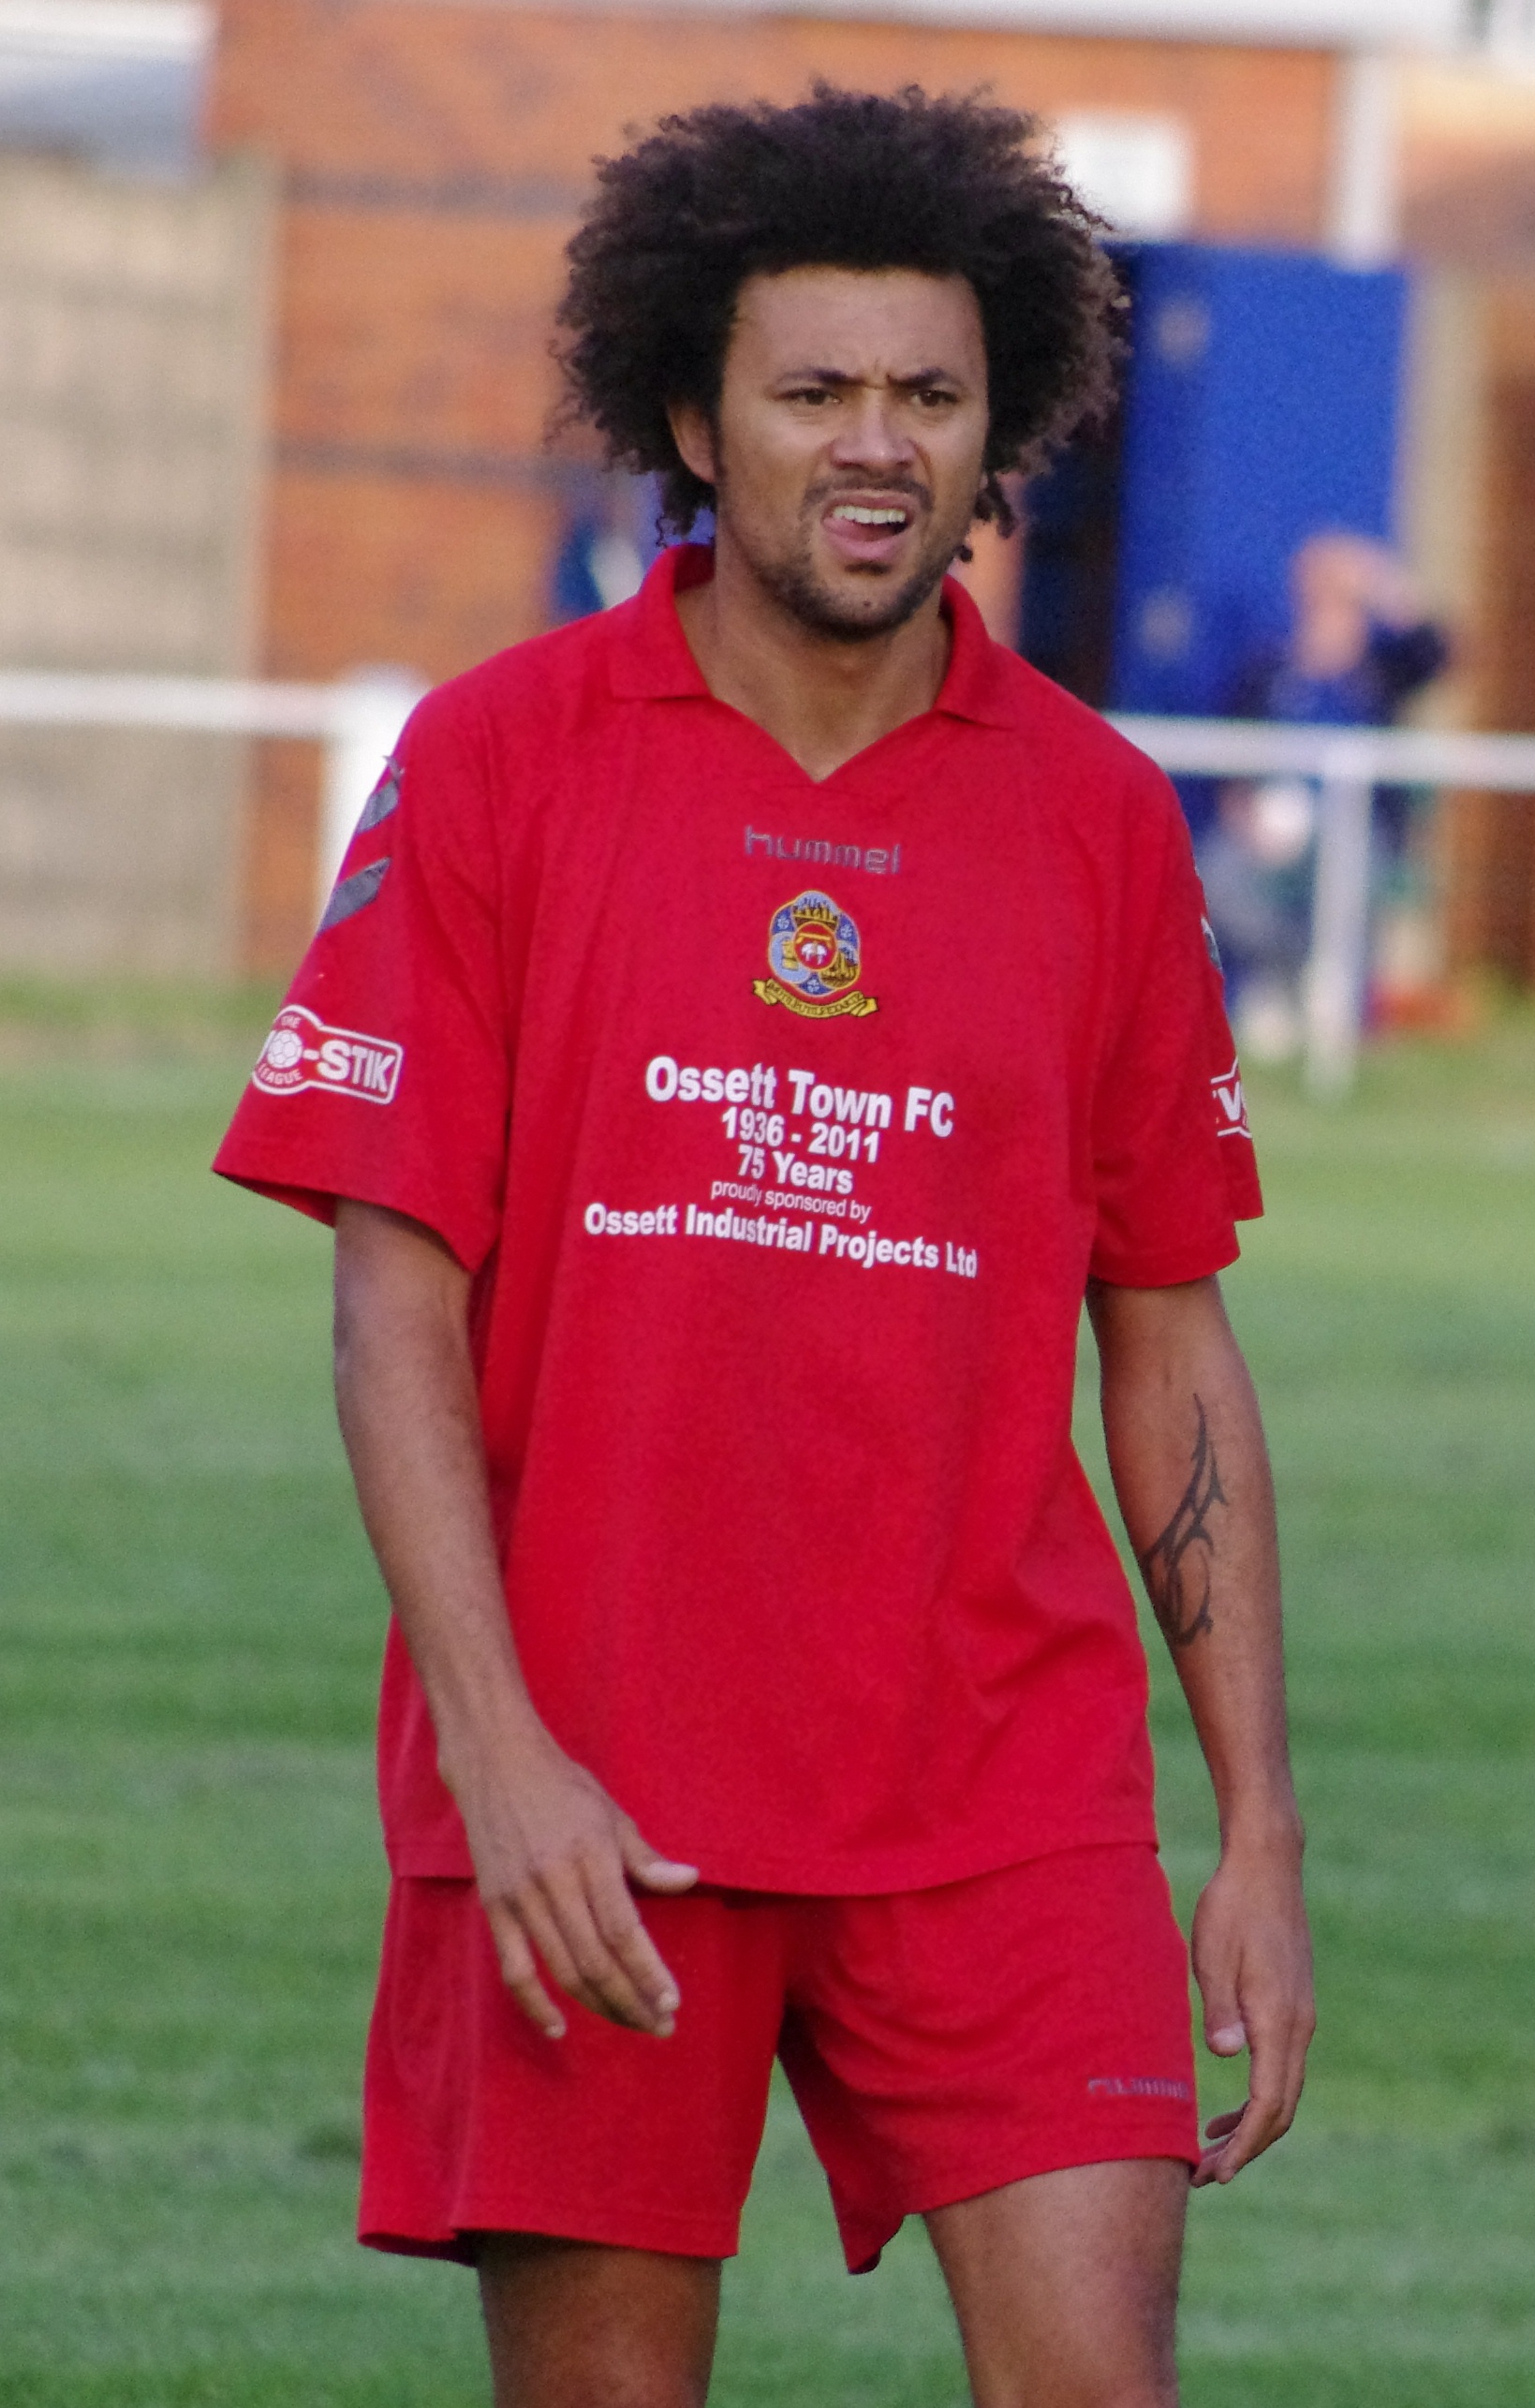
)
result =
(652, 660)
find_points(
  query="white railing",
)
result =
(358, 719)
(1346, 763)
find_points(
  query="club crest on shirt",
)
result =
(816, 956)
(302, 1052)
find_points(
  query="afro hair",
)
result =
(949, 186)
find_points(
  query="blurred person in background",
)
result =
(749, 1023)
(1361, 645)
(608, 541)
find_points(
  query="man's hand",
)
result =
(1252, 1961)
(554, 1857)
(1191, 1472)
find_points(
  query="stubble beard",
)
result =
(792, 581)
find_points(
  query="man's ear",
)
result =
(694, 437)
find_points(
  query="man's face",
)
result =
(847, 451)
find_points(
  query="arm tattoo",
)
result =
(1177, 1567)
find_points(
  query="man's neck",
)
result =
(823, 701)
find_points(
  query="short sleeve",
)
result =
(1174, 1164)
(385, 1075)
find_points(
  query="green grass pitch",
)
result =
(190, 1881)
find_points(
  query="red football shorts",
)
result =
(939, 2042)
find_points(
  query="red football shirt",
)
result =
(781, 1125)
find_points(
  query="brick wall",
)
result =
(434, 157)
(1491, 837)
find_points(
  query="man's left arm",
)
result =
(1190, 1470)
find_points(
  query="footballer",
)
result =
(750, 1024)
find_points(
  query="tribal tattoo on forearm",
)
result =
(1177, 1568)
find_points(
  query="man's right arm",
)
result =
(552, 1854)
